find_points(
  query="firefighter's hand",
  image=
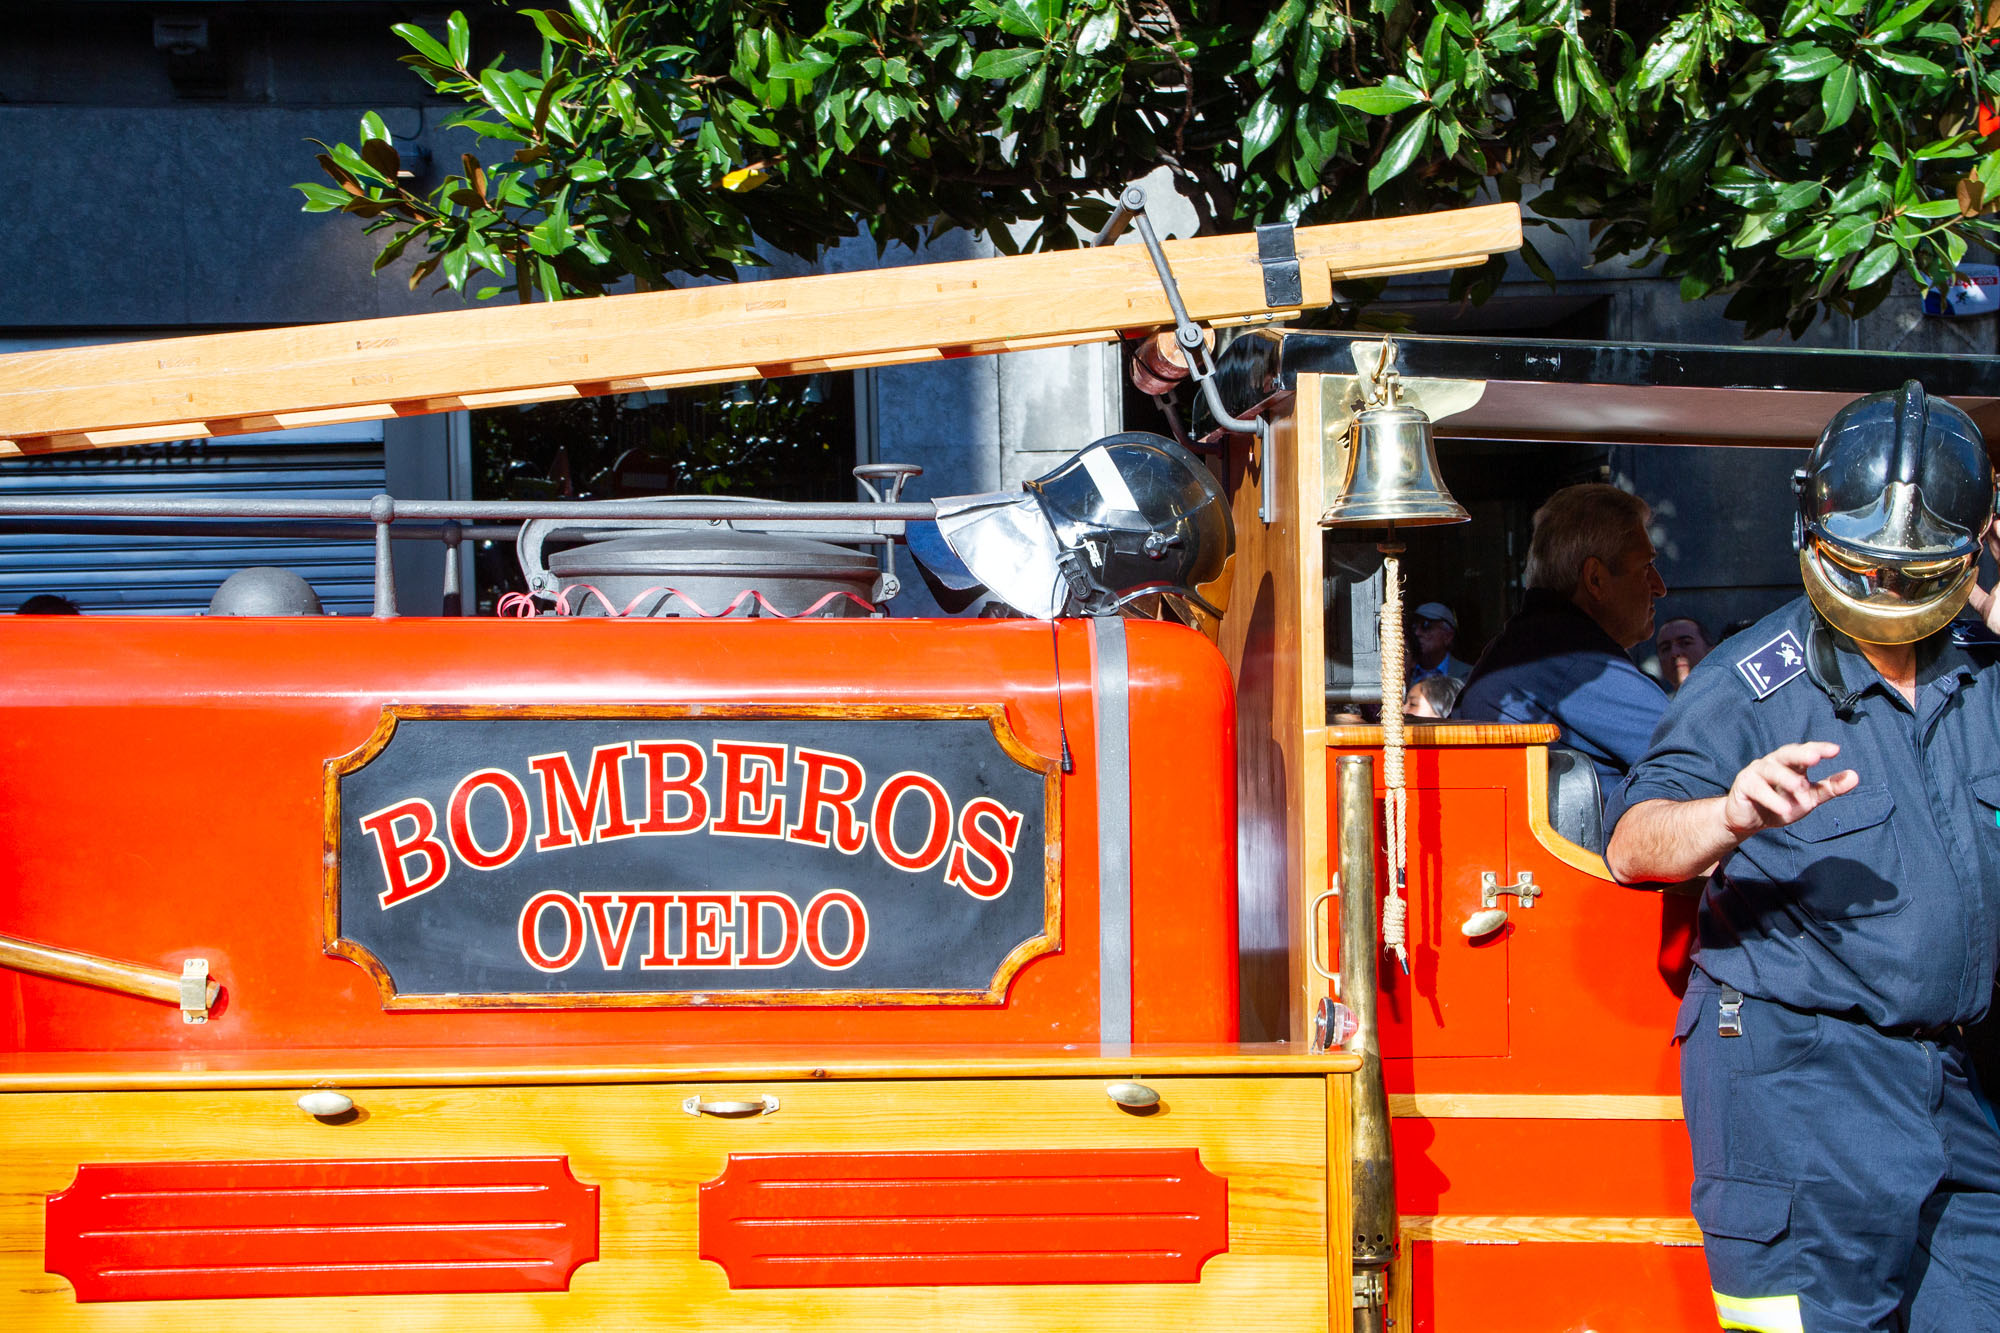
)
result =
(1986, 601)
(1774, 791)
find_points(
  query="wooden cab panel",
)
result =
(1261, 1145)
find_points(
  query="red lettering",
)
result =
(611, 941)
(749, 807)
(560, 798)
(708, 920)
(396, 852)
(656, 938)
(857, 929)
(883, 818)
(513, 800)
(531, 931)
(661, 789)
(848, 833)
(997, 852)
(754, 936)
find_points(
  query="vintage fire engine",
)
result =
(810, 970)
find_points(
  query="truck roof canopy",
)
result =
(1637, 393)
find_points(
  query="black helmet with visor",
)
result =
(1893, 503)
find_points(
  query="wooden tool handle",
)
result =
(148, 983)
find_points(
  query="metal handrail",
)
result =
(453, 521)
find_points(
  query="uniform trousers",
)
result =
(1846, 1178)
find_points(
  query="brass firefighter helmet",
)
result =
(1893, 503)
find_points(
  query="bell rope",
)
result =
(1395, 796)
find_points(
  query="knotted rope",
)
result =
(1395, 798)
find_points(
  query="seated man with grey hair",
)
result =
(1591, 585)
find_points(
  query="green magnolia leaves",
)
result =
(1793, 155)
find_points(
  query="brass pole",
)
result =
(1374, 1165)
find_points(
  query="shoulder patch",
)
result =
(1777, 663)
(1974, 634)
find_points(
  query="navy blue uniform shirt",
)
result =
(1881, 904)
(1553, 663)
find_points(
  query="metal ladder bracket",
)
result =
(1278, 252)
(194, 990)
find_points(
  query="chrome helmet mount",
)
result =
(1131, 524)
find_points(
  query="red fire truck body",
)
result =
(216, 736)
(863, 973)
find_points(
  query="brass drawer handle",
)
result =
(764, 1105)
(326, 1103)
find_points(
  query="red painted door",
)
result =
(1453, 1002)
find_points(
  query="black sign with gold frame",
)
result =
(540, 857)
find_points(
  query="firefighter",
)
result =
(1840, 787)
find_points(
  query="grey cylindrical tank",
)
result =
(692, 573)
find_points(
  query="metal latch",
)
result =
(1491, 915)
(1278, 252)
(194, 991)
(1523, 887)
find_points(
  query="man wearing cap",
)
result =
(1839, 788)
(1591, 585)
(1434, 629)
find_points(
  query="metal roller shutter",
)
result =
(129, 574)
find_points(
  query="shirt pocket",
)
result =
(1986, 788)
(1839, 859)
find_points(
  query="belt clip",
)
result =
(1729, 1014)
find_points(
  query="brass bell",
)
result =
(1392, 474)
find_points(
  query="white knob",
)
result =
(326, 1102)
(1484, 922)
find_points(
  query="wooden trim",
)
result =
(89, 969)
(1532, 1230)
(1554, 843)
(1050, 941)
(1298, 471)
(331, 942)
(1531, 1106)
(1340, 1193)
(228, 383)
(1272, 640)
(1432, 734)
(84, 1071)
